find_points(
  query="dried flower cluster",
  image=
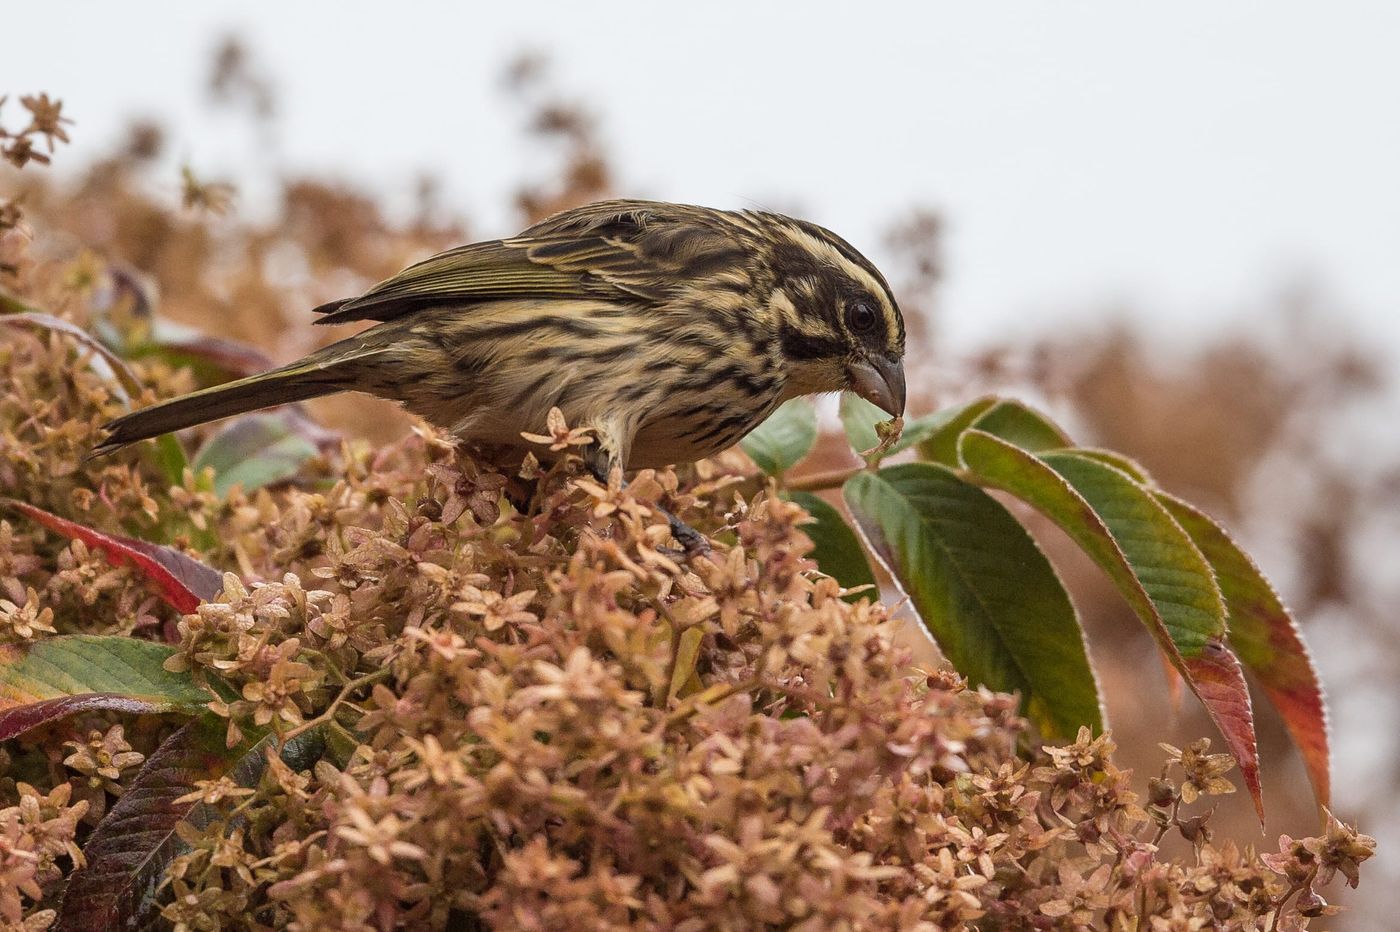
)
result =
(539, 718)
(37, 832)
(557, 724)
(46, 122)
(18, 147)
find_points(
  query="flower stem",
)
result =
(329, 713)
(818, 481)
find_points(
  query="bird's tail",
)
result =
(322, 373)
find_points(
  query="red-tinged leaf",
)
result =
(181, 580)
(213, 359)
(38, 319)
(1216, 676)
(1268, 642)
(1173, 683)
(129, 852)
(1150, 558)
(19, 719)
(56, 677)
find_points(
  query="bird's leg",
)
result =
(600, 465)
(520, 493)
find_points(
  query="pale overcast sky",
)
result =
(1188, 158)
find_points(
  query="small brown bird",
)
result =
(670, 330)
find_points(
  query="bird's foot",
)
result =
(693, 543)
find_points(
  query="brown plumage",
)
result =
(670, 330)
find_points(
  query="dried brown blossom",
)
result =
(1204, 771)
(214, 197)
(1343, 849)
(10, 215)
(45, 118)
(561, 436)
(213, 792)
(21, 622)
(35, 833)
(479, 494)
(538, 720)
(103, 758)
(46, 122)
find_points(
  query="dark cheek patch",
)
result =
(801, 345)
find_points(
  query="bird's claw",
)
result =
(693, 543)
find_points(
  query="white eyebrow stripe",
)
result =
(829, 253)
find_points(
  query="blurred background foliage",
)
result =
(1284, 430)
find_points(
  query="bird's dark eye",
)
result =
(860, 317)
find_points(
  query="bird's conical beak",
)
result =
(879, 381)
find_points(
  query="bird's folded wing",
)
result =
(467, 275)
(628, 258)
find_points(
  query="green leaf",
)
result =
(940, 445)
(45, 680)
(781, 442)
(1160, 555)
(1153, 562)
(1121, 526)
(836, 548)
(1267, 640)
(1118, 461)
(1019, 424)
(170, 458)
(859, 417)
(255, 451)
(982, 588)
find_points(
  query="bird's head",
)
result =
(839, 327)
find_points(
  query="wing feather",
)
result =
(631, 252)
